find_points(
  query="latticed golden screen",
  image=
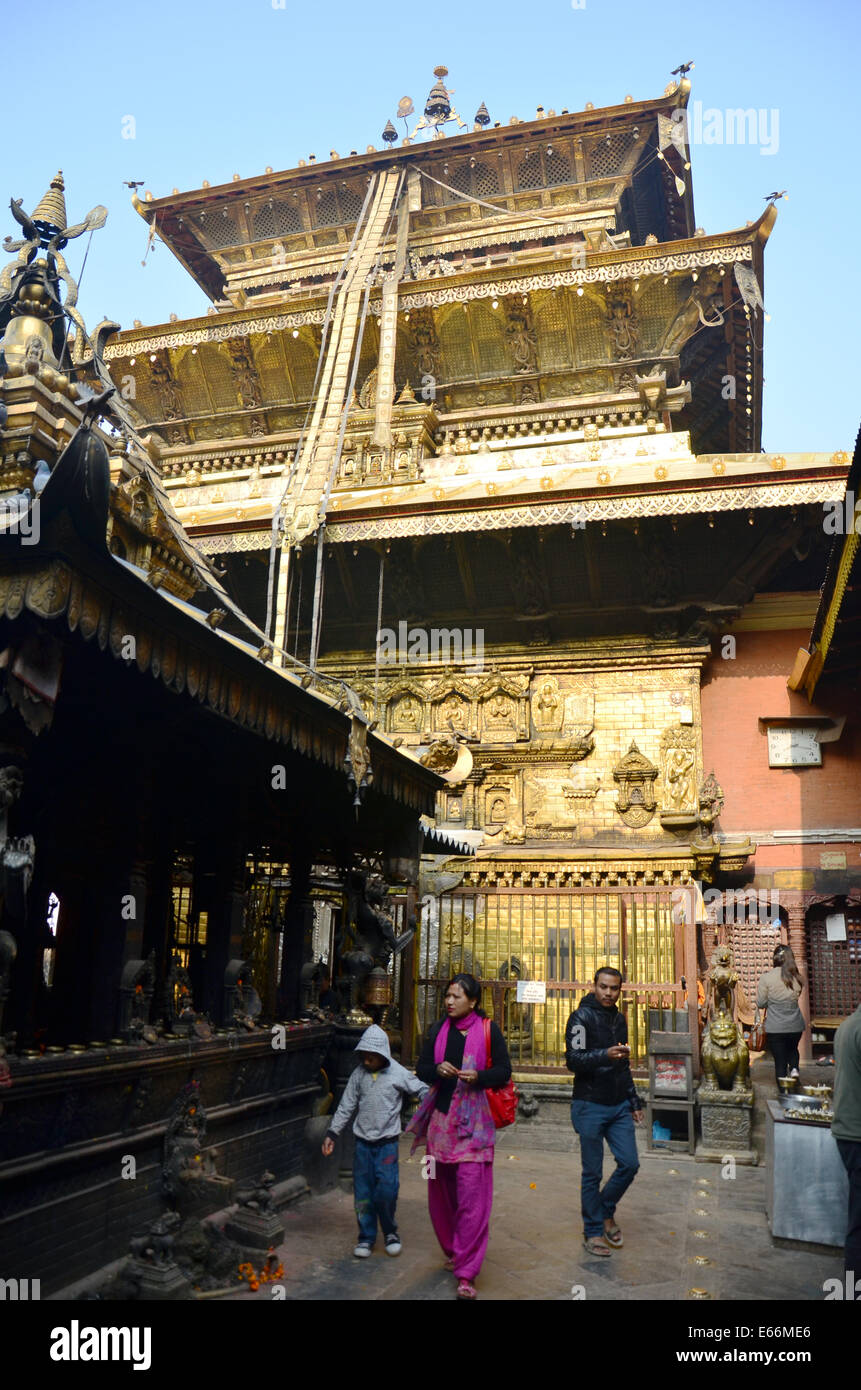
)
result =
(560, 939)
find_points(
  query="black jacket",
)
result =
(597, 1077)
(489, 1079)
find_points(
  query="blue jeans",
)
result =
(375, 1188)
(594, 1123)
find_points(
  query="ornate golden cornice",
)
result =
(639, 262)
(590, 509)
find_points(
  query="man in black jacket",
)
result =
(604, 1105)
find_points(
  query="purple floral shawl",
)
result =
(466, 1134)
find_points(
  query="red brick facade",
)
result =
(780, 808)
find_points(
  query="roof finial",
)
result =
(50, 215)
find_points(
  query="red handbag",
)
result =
(503, 1100)
(756, 1039)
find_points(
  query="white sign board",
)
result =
(531, 992)
(835, 927)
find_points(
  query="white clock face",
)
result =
(793, 747)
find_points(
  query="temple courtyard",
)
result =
(689, 1234)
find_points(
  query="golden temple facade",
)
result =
(474, 424)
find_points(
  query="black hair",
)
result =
(471, 988)
(608, 970)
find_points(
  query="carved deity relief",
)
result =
(406, 714)
(166, 387)
(368, 393)
(499, 718)
(454, 808)
(521, 336)
(453, 713)
(503, 708)
(244, 372)
(549, 811)
(424, 345)
(548, 706)
(498, 805)
(635, 800)
(622, 327)
(679, 764)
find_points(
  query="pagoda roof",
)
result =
(69, 575)
(174, 215)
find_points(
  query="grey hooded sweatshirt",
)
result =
(375, 1097)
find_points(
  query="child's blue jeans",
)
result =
(375, 1187)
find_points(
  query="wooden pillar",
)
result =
(691, 976)
(298, 923)
(282, 588)
(408, 985)
(28, 1006)
(226, 908)
(798, 942)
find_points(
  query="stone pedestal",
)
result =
(726, 1119)
(160, 1280)
(255, 1230)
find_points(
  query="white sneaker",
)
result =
(362, 1251)
(794, 1071)
(393, 1245)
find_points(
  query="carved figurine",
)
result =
(725, 1057)
(721, 983)
(156, 1247)
(258, 1194)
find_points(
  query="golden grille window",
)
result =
(475, 180)
(218, 229)
(337, 206)
(607, 155)
(276, 219)
(529, 171)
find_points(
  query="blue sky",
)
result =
(230, 86)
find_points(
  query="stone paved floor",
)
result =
(535, 1249)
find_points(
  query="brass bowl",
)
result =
(825, 1092)
(787, 1084)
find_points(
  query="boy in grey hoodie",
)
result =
(375, 1095)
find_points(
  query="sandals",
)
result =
(466, 1289)
(614, 1237)
(596, 1245)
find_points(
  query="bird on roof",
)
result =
(773, 197)
(96, 406)
(682, 69)
(130, 183)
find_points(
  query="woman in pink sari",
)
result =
(454, 1120)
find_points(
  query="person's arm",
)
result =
(633, 1098)
(348, 1106)
(579, 1058)
(414, 1086)
(489, 1078)
(426, 1066)
(762, 992)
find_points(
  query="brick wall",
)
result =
(736, 693)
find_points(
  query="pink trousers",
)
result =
(460, 1196)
